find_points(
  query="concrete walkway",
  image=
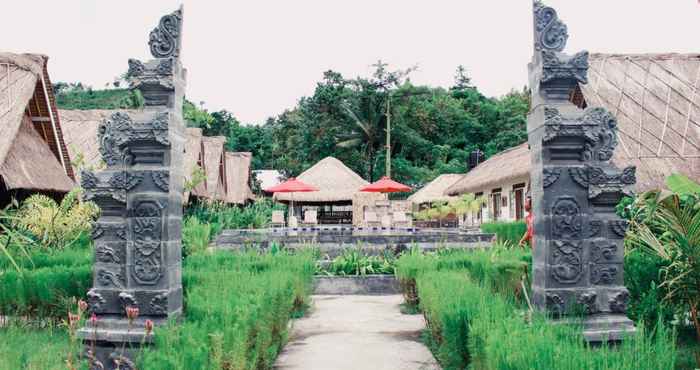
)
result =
(354, 332)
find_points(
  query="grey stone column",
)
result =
(578, 239)
(138, 235)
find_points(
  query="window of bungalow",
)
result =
(496, 204)
(479, 215)
(518, 200)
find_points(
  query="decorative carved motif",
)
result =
(566, 218)
(136, 68)
(164, 40)
(127, 300)
(551, 175)
(106, 254)
(97, 231)
(580, 176)
(94, 300)
(603, 274)
(597, 126)
(594, 227)
(587, 301)
(555, 304)
(550, 32)
(619, 227)
(161, 179)
(618, 302)
(126, 180)
(121, 362)
(159, 304)
(559, 66)
(93, 362)
(88, 180)
(566, 264)
(115, 132)
(603, 251)
(611, 183)
(110, 279)
(146, 230)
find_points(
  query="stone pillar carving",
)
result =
(578, 249)
(138, 235)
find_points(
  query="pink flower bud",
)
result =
(93, 320)
(82, 305)
(149, 327)
(132, 313)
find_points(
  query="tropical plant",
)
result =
(667, 225)
(54, 225)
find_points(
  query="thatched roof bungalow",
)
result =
(194, 163)
(214, 168)
(238, 177)
(33, 155)
(655, 100)
(434, 191)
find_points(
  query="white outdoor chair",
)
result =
(293, 223)
(371, 219)
(386, 221)
(277, 219)
(310, 218)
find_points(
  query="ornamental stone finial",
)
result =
(550, 32)
(165, 39)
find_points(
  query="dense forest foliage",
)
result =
(433, 129)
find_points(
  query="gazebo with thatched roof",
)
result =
(336, 183)
(33, 155)
(434, 191)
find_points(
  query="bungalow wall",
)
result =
(504, 202)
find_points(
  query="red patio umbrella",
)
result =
(386, 185)
(291, 186)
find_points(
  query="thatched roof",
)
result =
(194, 158)
(655, 99)
(238, 176)
(32, 152)
(335, 181)
(510, 164)
(434, 191)
(215, 166)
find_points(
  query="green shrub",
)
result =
(196, 236)
(506, 232)
(643, 280)
(355, 262)
(223, 216)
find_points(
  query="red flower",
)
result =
(82, 305)
(132, 313)
(73, 319)
(149, 327)
(93, 320)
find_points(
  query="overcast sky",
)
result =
(256, 58)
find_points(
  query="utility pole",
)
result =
(388, 135)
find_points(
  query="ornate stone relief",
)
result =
(550, 32)
(560, 66)
(551, 175)
(597, 126)
(567, 262)
(164, 40)
(566, 218)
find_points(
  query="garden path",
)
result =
(356, 332)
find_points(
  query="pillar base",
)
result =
(602, 327)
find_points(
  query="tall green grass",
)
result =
(24, 348)
(506, 232)
(237, 310)
(477, 319)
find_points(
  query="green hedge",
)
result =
(472, 327)
(237, 310)
(506, 232)
(43, 292)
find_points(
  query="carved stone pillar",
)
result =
(138, 235)
(578, 249)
